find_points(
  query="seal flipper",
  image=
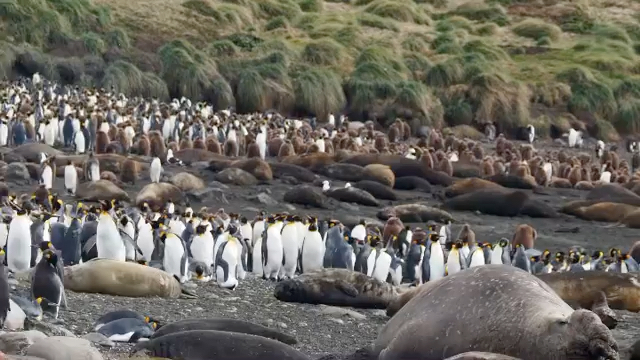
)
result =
(347, 288)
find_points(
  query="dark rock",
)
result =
(17, 173)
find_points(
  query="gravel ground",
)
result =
(317, 333)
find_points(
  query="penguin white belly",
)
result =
(465, 251)
(145, 241)
(19, 244)
(70, 179)
(4, 134)
(381, 268)
(477, 259)
(241, 272)
(94, 172)
(166, 129)
(302, 233)
(47, 177)
(104, 127)
(359, 232)
(154, 170)
(453, 263)
(371, 262)
(353, 260)
(60, 132)
(15, 317)
(202, 249)
(229, 259)
(418, 268)
(177, 227)
(312, 252)
(496, 255)
(436, 263)
(108, 240)
(256, 257)
(130, 250)
(173, 252)
(4, 232)
(273, 262)
(50, 134)
(246, 232)
(290, 251)
(258, 229)
(396, 275)
(79, 142)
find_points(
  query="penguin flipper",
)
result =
(89, 244)
(126, 239)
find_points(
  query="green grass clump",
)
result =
(536, 29)
(325, 52)
(480, 11)
(397, 10)
(378, 22)
(311, 5)
(93, 43)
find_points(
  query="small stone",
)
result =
(99, 339)
(232, 309)
(339, 321)
(233, 298)
(302, 324)
(15, 342)
(282, 325)
(266, 199)
(336, 311)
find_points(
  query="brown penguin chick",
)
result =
(615, 160)
(380, 142)
(102, 141)
(584, 159)
(313, 148)
(108, 175)
(595, 172)
(29, 130)
(199, 144)
(143, 147)
(157, 146)
(328, 147)
(461, 147)
(427, 160)
(606, 157)
(392, 228)
(574, 175)
(540, 176)
(563, 170)
(286, 149)
(585, 174)
(213, 145)
(522, 171)
(500, 144)
(622, 178)
(478, 152)
(435, 140)
(526, 152)
(487, 167)
(562, 157)
(525, 235)
(123, 140)
(513, 166)
(439, 156)
(405, 129)
(253, 150)
(173, 146)
(446, 167)
(498, 167)
(130, 171)
(450, 142)
(114, 147)
(113, 132)
(393, 134)
(186, 143)
(230, 148)
(467, 235)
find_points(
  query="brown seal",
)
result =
(189, 156)
(402, 166)
(340, 287)
(100, 190)
(380, 173)
(108, 175)
(465, 186)
(130, 171)
(156, 195)
(584, 185)
(524, 235)
(187, 182)
(310, 161)
(489, 201)
(306, 195)
(415, 331)
(102, 141)
(605, 211)
(632, 220)
(235, 176)
(112, 277)
(417, 213)
(560, 183)
(256, 167)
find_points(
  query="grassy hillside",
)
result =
(440, 62)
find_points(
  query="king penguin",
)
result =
(70, 178)
(145, 240)
(289, 248)
(312, 254)
(414, 262)
(155, 170)
(46, 173)
(5, 305)
(383, 262)
(477, 257)
(4, 133)
(47, 284)
(202, 246)
(362, 263)
(373, 254)
(109, 243)
(272, 251)
(19, 242)
(175, 260)
(359, 231)
(521, 260)
(454, 259)
(92, 168)
(436, 258)
(227, 263)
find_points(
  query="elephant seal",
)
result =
(605, 211)
(112, 277)
(583, 288)
(379, 173)
(477, 355)
(338, 287)
(484, 293)
(489, 201)
(256, 167)
(224, 324)
(513, 181)
(343, 172)
(190, 156)
(412, 183)
(632, 220)
(100, 190)
(156, 195)
(306, 195)
(31, 151)
(298, 172)
(187, 182)
(376, 189)
(414, 213)
(466, 186)
(235, 176)
(613, 193)
(213, 344)
(465, 170)
(402, 166)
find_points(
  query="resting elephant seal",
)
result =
(493, 308)
(476, 355)
(339, 287)
(112, 277)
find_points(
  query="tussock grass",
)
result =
(536, 29)
(479, 11)
(324, 52)
(397, 10)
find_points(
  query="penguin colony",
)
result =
(46, 234)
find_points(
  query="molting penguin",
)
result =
(70, 178)
(155, 170)
(312, 254)
(19, 242)
(46, 283)
(272, 251)
(128, 329)
(338, 253)
(290, 248)
(175, 260)
(109, 243)
(227, 262)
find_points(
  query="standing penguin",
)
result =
(290, 248)
(4, 133)
(70, 178)
(155, 170)
(92, 168)
(362, 263)
(175, 260)
(312, 254)
(47, 284)
(202, 246)
(79, 141)
(477, 257)
(227, 263)
(145, 240)
(454, 262)
(414, 262)
(5, 305)
(436, 259)
(109, 243)
(272, 251)
(383, 262)
(521, 260)
(46, 173)
(19, 242)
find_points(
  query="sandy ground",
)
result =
(320, 334)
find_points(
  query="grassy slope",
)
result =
(442, 63)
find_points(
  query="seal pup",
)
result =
(224, 324)
(567, 333)
(213, 344)
(338, 287)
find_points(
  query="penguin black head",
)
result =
(106, 206)
(503, 243)
(243, 220)
(597, 254)
(290, 219)
(560, 256)
(124, 220)
(232, 229)
(434, 237)
(199, 271)
(535, 259)
(362, 222)
(200, 229)
(332, 223)
(50, 256)
(271, 220)
(163, 236)
(313, 227)
(45, 245)
(613, 252)
(22, 212)
(575, 258)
